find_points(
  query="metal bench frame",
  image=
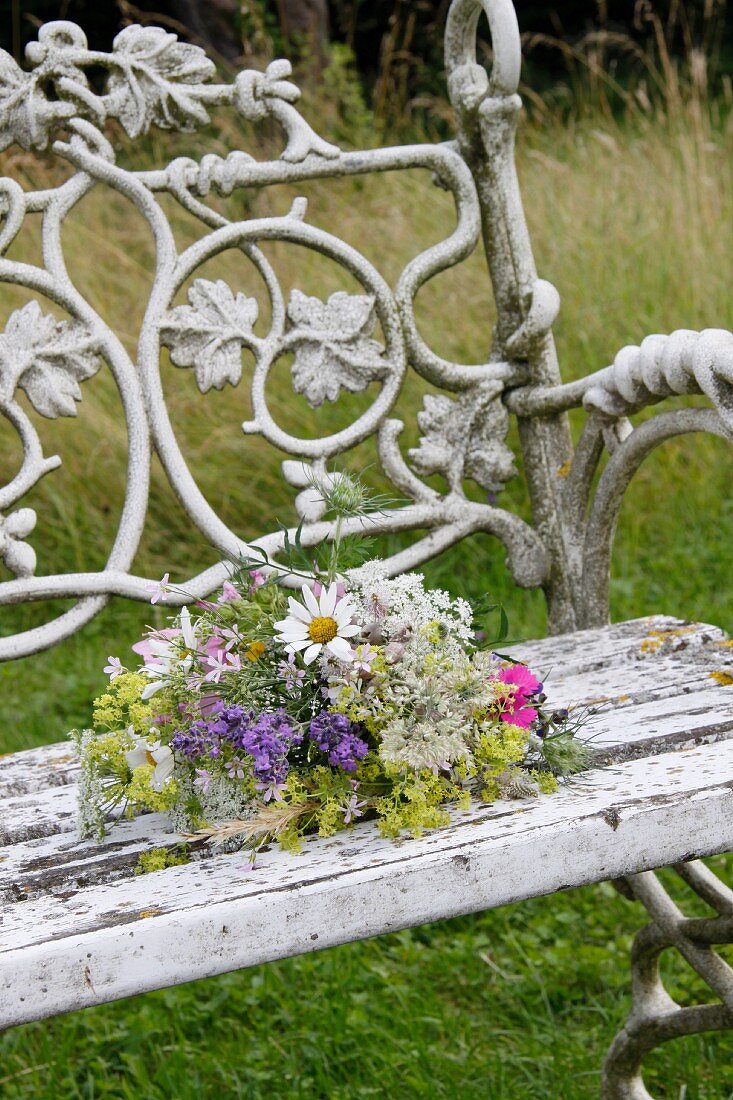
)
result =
(153, 80)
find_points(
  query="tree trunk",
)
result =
(212, 24)
(304, 26)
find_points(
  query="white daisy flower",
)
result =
(324, 621)
(158, 756)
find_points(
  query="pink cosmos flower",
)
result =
(144, 648)
(213, 645)
(524, 685)
(228, 593)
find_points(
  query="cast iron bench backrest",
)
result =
(155, 81)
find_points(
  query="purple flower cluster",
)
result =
(206, 736)
(336, 735)
(266, 737)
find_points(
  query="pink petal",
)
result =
(144, 648)
(522, 718)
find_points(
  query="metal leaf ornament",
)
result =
(465, 438)
(208, 334)
(148, 83)
(47, 358)
(333, 346)
(26, 115)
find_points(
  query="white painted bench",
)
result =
(78, 927)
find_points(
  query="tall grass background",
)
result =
(627, 176)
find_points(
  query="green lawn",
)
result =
(635, 226)
(518, 1004)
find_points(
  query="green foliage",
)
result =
(107, 749)
(120, 705)
(546, 781)
(495, 751)
(341, 87)
(142, 794)
(565, 754)
(157, 859)
(414, 804)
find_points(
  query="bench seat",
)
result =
(80, 928)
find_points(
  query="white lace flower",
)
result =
(158, 756)
(324, 621)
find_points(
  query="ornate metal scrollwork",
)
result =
(680, 364)
(152, 79)
(655, 1018)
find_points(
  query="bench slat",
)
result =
(36, 769)
(656, 677)
(64, 938)
(585, 650)
(144, 933)
(61, 863)
(39, 813)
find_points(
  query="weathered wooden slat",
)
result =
(40, 813)
(36, 769)
(584, 650)
(660, 725)
(659, 676)
(65, 901)
(62, 863)
(144, 933)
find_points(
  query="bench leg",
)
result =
(655, 1017)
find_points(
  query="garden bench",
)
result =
(78, 926)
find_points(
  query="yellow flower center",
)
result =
(150, 758)
(255, 651)
(322, 629)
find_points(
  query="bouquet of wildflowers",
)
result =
(275, 712)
